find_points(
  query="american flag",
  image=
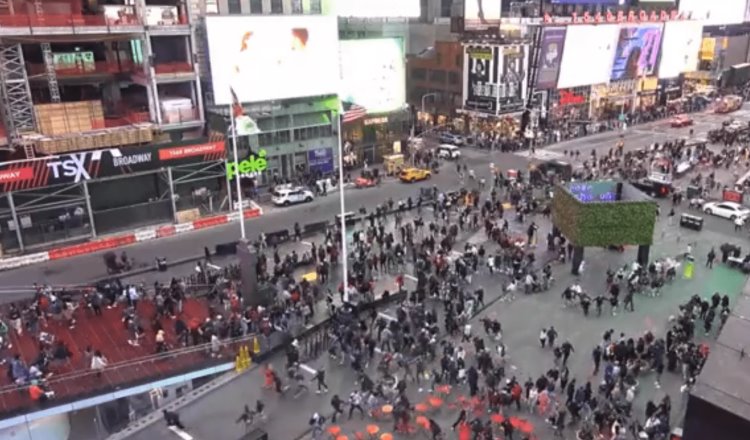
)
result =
(237, 109)
(352, 112)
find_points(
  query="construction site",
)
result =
(91, 94)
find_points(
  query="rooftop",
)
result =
(724, 381)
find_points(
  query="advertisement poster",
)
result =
(481, 14)
(588, 54)
(320, 160)
(714, 12)
(637, 51)
(86, 165)
(377, 8)
(377, 83)
(272, 58)
(550, 56)
(480, 78)
(680, 48)
(585, 2)
(512, 82)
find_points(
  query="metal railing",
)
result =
(68, 20)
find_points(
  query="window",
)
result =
(277, 7)
(315, 7)
(419, 74)
(453, 78)
(437, 76)
(445, 7)
(296, 6)
(234, 7)
(256, 6)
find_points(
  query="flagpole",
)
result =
(237, 175)
(345, 254)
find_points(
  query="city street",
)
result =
(521, 319)
(83, 269)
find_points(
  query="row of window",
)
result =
(277, 7)
(435, 76)
(300, 134)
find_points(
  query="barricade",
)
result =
(278, 237)
(314, 228)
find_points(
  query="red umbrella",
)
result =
(497, 418)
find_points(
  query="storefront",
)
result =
(374, 136)
(646, 97)
(668, 90)
(609, 101)
(569, 104)
(71, 197)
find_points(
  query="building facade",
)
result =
(434, 82)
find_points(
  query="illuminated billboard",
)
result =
(264, 58)
(481, 14)
(377, 83)
(637, 51)
(714, 12)
(680, 48)
(587, 58)
(376, 8)
(550, 55)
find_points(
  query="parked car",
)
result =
(409, 175)
(681, 121)
(446, 151)
(288, 195)
(450, 138)
(730, 210)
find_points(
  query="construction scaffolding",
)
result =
(15, 98)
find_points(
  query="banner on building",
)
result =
(513, 79)
(111, 162)
(320, 160)
(550, 55)
(481, 78)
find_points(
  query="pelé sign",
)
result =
(250, 167)
(569, 98)
(621, 17)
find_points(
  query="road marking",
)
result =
(307, 243)
(540, 154)
(388, 317)
(308, 369)
(410, 277)
(180, 433)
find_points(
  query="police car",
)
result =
(285, 195)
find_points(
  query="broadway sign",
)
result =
(111, 162)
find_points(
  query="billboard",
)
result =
(376, 8)
(481, 14)
(377, 83)
(111, 162)
(637, 51)
(320, 160)
(680, 48)
(587, 59)
(550, 55)
(481, 78)
(714, 12)
(265, 58)
(586, 2)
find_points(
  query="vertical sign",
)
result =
(481, 78)
(550, 55)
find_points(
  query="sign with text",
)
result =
(481, 78)
(320, 160)
(111, 162)
(553, 40)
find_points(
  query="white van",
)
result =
(284, 195)
(446, 151)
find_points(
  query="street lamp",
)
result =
(240, 208)
(427, 95)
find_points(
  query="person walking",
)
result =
(320, 377)
(336, 404)
(710, 258)
(355, 402)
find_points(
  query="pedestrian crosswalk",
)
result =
(540, 154)
(181, 433)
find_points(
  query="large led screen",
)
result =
(272, 57)
(481, 14)
(680, 48)
(637, 51)
(585, 2)
(376, 8)
(377, 83)
(588, 54)
(553, 39)
(714, 12)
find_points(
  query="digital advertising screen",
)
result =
(376, 8)
(714, 12)
(680, 48)
(637, 51)
(551, 52)
(588, 54)
(377, 83)
(264, 58)
(587, 2)
(481, 14)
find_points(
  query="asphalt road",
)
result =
(214, 415)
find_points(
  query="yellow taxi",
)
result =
(409, 175)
